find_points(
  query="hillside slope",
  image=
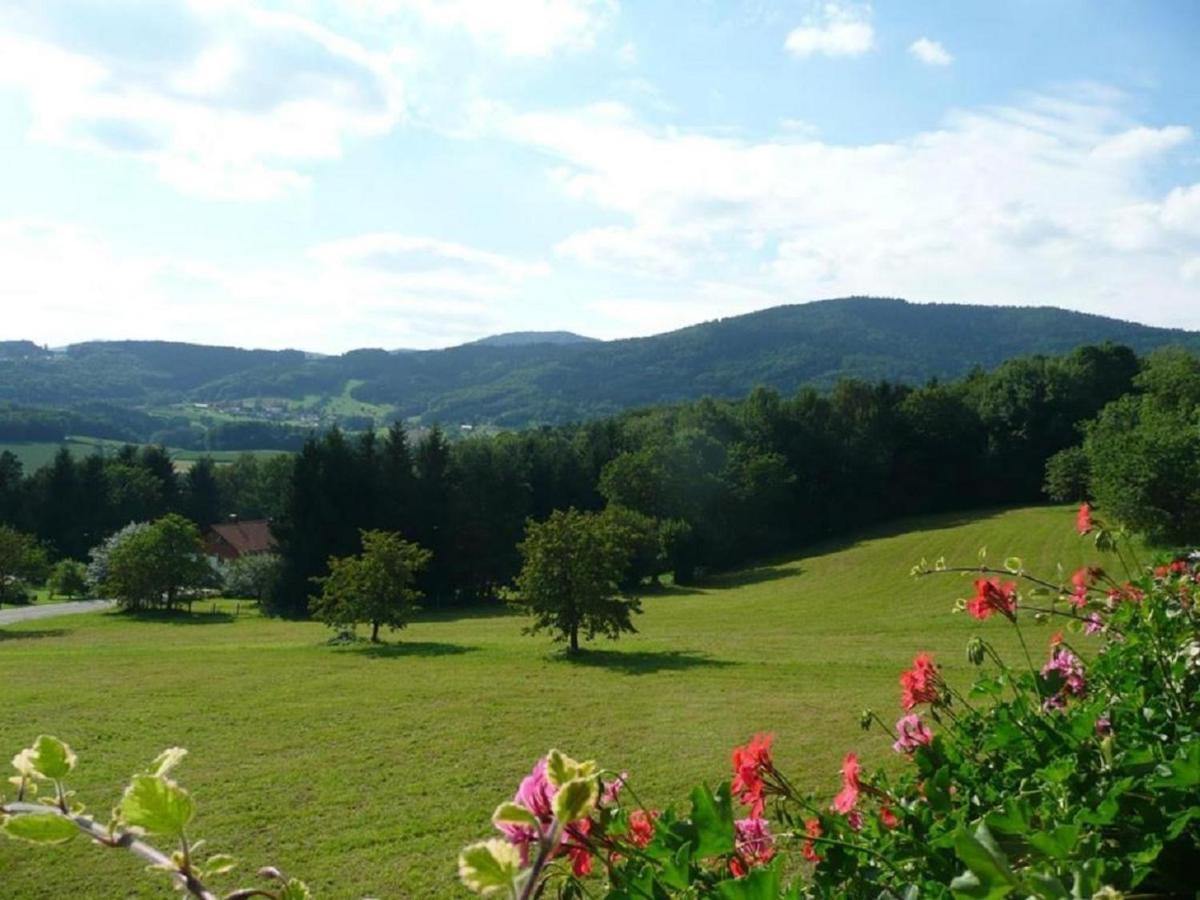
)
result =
(527, 382)
(795, 647)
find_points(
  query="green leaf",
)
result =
(1056, 844)
(47, 758)
(991, 877)
(513, 814)
(489, 867)
(576, 799)
(675, 870)
(219, 864)
(1014, 818)
(759, 884)
(712, 815)
(40, 828)
(157, 805)
(1184, 771)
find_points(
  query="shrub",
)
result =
(68, 579)
(1067, 476)
(97, 568)
(22, 563)
(252, 577)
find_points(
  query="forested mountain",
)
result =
(517, 380)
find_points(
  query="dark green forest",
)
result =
(528, 383)
(703, 485)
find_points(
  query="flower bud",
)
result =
(975, 651)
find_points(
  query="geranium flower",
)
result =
(920, 683)
(641, 827)
(847, 797)
(1083, 519)
(749, 764)
(992, 596)
(754, 844)
(888, 818)
(911, 734)
(1069, 668)
(1093, 624)
(580, 855)
(1082, 580)
(812, 828)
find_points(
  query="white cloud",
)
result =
(239, 105)
(521, 28)
(63, 283)
(930, 52)
(1028, 203)
(835, 29)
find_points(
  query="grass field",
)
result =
(364, 769)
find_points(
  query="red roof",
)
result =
(229, 540)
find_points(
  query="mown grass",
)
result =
(364, 769)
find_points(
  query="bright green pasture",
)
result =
(364, 769)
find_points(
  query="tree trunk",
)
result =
(574, 639)
(374, 632)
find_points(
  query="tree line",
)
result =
(693, 487)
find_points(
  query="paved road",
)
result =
(13, 614)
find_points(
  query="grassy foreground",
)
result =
(364, 769)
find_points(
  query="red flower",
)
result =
(641, 827)
(847, 797)
(888, 818)
(992, 596)
(749, 763)
(920, 683)
(581, 856)
(812, 828)
(1083, 519)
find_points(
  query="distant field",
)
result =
(365, 769)
(35, 455)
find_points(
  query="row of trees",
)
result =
(72, 504)
(703, 485)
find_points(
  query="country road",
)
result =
(51, 610)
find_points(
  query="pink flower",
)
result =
(912, 733)
(855, 820)
(992, 596)
(1083, 519)
(1068, 667)
(848, 796)
(613, 789)
(920, 683)
(1094, 624)
(754, 844)
(1103, 726)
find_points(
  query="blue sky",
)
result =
(416, 173)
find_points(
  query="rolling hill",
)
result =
(526, 379)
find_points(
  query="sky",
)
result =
(333, 174)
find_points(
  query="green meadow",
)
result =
(364, 769)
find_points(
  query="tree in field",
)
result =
(252, 577)
(97, 567)
(161, 565)
(202, 493)
(375, 587)
(574, 563)
(1067, 475)
(1143, 451)
(68, 579)
(22, 563)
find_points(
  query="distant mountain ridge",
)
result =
(526, 379)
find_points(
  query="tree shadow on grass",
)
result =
(757, 575)
(32, 634)
(405, 648)
(645, 662)
(667, 590)
(177, 616)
